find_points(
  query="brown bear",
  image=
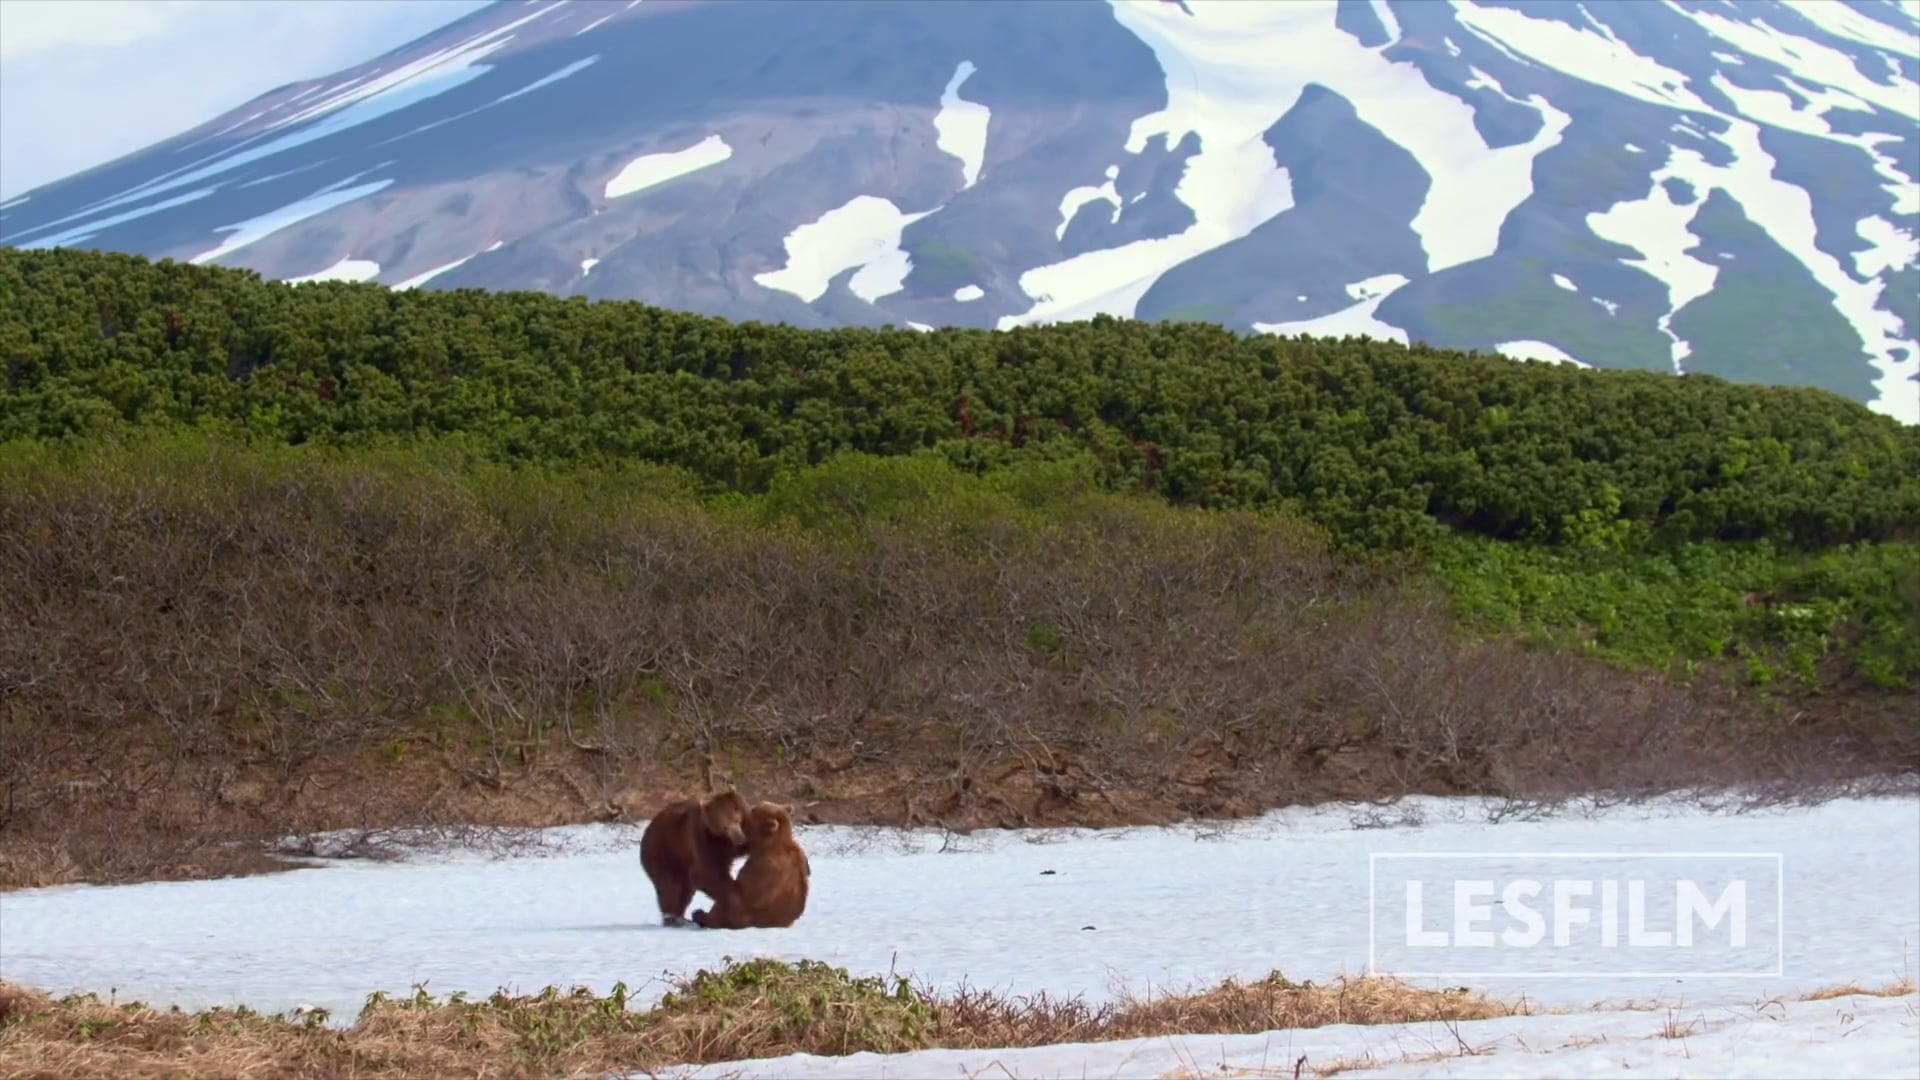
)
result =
(771, 890)
(692, 845)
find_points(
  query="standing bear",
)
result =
(771, 890)
(692, 845)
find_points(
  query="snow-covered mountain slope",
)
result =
(1720, 186)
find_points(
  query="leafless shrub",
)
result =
(1401, 816)
(393, 844)
(198, 651)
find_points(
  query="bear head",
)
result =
(726, 815)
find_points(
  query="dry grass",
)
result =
(1898, 988)
(762, 1008)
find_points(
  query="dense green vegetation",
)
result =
(1665, 521)
(1387, 447)
(1849, 615)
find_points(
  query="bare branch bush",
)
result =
(197, 651)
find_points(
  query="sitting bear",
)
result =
(771, 890)
(692, 845)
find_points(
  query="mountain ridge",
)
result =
(1715, 187)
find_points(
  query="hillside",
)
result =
(1386, 445)
(287, 558)
(1708, 187)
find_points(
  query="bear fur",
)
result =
(692, 845)
(771, 890)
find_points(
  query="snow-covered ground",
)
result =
(1094, 913)
(1857, 1037)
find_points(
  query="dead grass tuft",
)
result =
(761, 1008)
(1276, 1002)
(1898, 988)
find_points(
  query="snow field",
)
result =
(1148, 911)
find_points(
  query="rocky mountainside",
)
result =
(1719, 187)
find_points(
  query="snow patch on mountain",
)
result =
(650, 170)
(435, 73)
(1776, 108)
(1073, 200)
(1359, 320)
(549, 79)
(237, 124)
(264, 225)
(1893, 248)
(390, 92)
(1389, 21)
(347, 269)
(1782, 210)
(544, 81)
(1537, 350)
(1842, 21)
(1810, 61)
(86, 229)
(863, 233)
(1785, 212)
(1599, 58)
(420, 279)
(1657, 228)
(1235, 69)
(961, 126)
